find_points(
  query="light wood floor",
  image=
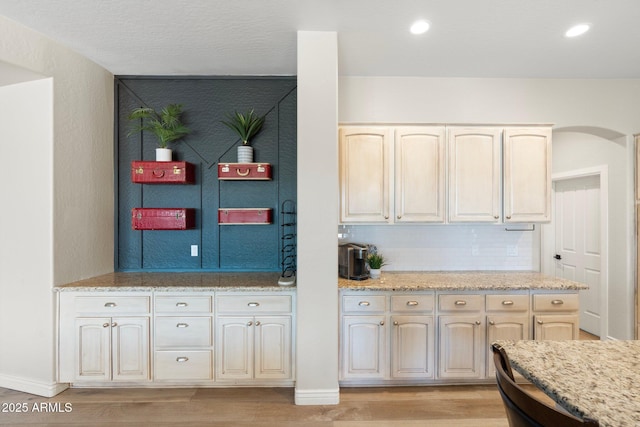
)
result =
(433, 406)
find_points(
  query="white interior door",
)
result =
(578, 243)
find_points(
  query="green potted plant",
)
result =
(375, 261)
(166, 125)
(246, 125)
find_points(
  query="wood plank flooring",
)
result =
(433, 406)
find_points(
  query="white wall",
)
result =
(72, 238)
(600, 106)
(317, 274)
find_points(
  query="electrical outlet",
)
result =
(512, 250)
(194, 250)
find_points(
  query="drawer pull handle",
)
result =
(182, 325)
(460, 302)
(253, 304)
(412, 303)
(507, 302)
(557, 302)
(110, 304)
(182, 359)
(364, 304)
(181, 304)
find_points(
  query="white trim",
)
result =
(317, 397)
(32, 387)
(548, 237)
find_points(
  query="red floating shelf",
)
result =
(244, 171)
(231, 216)
(162, 172)
(162, 218)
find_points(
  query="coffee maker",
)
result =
(352, 261)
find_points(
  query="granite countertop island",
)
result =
(201, 282)
(460, 281)
(596, 379)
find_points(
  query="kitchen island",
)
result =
(437, 327)
(596, 379)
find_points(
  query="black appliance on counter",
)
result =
(352, 261)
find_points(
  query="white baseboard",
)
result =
(31, 386)
(317, 397)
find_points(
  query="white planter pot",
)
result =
(374, 273)
(163, 155)
(245, 154)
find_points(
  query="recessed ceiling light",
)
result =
(419, 27)
(577, 30)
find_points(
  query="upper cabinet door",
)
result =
(527, 174)
(364, 174)
(419, 174)
(475, 174)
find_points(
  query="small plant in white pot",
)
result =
(246, 125)
(166, 125)
(376, 261)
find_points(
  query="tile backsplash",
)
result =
(450, 247)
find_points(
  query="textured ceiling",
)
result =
(468, 38)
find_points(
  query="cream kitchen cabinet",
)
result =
(364, 347)
(527, 174)
(183, 337)
(254, 337)
(412, 347)
(365, 156)
(556, 316)
(475, 174)
(419, 174)
(104, 337)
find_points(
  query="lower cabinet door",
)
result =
(130, 348)
(273, 347)
(556, 327)
(183, 365)
(504, 327)
(462, 348)
(234, 347)
(412, 347)
(364, 347)
(93, 349)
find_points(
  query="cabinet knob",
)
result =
(386, 217)
(382, 323)
(395, 323)
(110, 304)
(478, 322)
(496, 217)
(105, 325)
(364, 304)
(181, 304)
(249, 323)
(508, 216)
(460, 302)
(182, 325)
(491, 322)
(114, 324)
(182, 359)
(253, 304)
(507, 302)
(540, 322)
(412, 303)
(399, 217)
(557, 302)
(257, 323)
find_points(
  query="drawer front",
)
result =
(112, 304)
(411, 303)
(555, 302)
(183, 304)
(249, 304)
(183, 365)
(507, 303)
(460, 302)
(174, 332)
(364, 303)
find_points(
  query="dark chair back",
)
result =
(524, 410)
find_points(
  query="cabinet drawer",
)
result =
(364, 303)
(460, 302)
(507, 303)
(254, 303)
(112, 304)
(183, 304)
(411, 303)
(183, 365)
(172, 332)
(555, 302)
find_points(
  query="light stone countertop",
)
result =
(194, 282)
(460, 281)
(597, 379)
